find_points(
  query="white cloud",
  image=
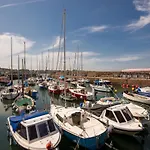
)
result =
(56, 43)
(18, 46)
(21, 3)
(76, 41)
(144, 6)
(92, 29)
(127, 58)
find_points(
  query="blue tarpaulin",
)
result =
(15, 120)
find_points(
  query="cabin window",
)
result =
(32, 132)
(11, 90)
(22, 131)
(59, 117)
(51, 126)
(126, 114)
(76, 118)
(110, 115)
(119, 116)
(43, 129)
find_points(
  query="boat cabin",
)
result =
(74, 118)
(102, 82)
(34, 129)
(118, 114)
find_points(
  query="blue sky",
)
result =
(113, 35)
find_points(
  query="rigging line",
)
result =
(60, 39)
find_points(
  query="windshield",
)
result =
(119, 116)
(43, 131)
(126, 114)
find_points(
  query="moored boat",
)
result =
(120, 117)
(81, 94)
(136, 97)
(35, 131)
(79, 126)
(24, 103)
(10, 93)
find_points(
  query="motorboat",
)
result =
(102, 86)
(120, 117)
(35, 131)
(136, 97)
(10, 93)
(79, 126)
(81, 94)
(137, 111)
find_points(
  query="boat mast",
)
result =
(81, 64)
(31, 66)
(24, 58)
(64, 26)
(18, 69)
(11, 64)
(22, 77)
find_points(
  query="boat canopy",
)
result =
(15, 120)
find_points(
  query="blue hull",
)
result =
(144, 93)
(34, 95)
(89, 143)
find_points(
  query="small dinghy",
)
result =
(120, 117)
(136, 97)
(35, 131)
(145, 91)
(79, 126)
(24, 103)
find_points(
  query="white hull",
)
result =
(35, 144)
(10, 96)
(137, 98)
(101, 88)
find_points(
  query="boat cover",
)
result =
(15, 120)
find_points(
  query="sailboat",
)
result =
(10, 93)
(23, 102)
(77, 125)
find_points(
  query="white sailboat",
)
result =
(10, 93)
(77, 125)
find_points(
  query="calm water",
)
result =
(120, 142)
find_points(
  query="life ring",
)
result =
(29, 107)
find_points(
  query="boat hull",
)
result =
(136, 99)
(89, 143)
(10, 96)
(101, 88)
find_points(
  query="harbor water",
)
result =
(116, 141)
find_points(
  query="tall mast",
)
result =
(24, 65)
(31, 66)
(37, 65)
(22, 77)
(81, 64)
(11, 64)
(78, 63)
(42, 62)
(64, 26)
(24, 55)
(18, 69)
(53, 59)
(48, 61)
